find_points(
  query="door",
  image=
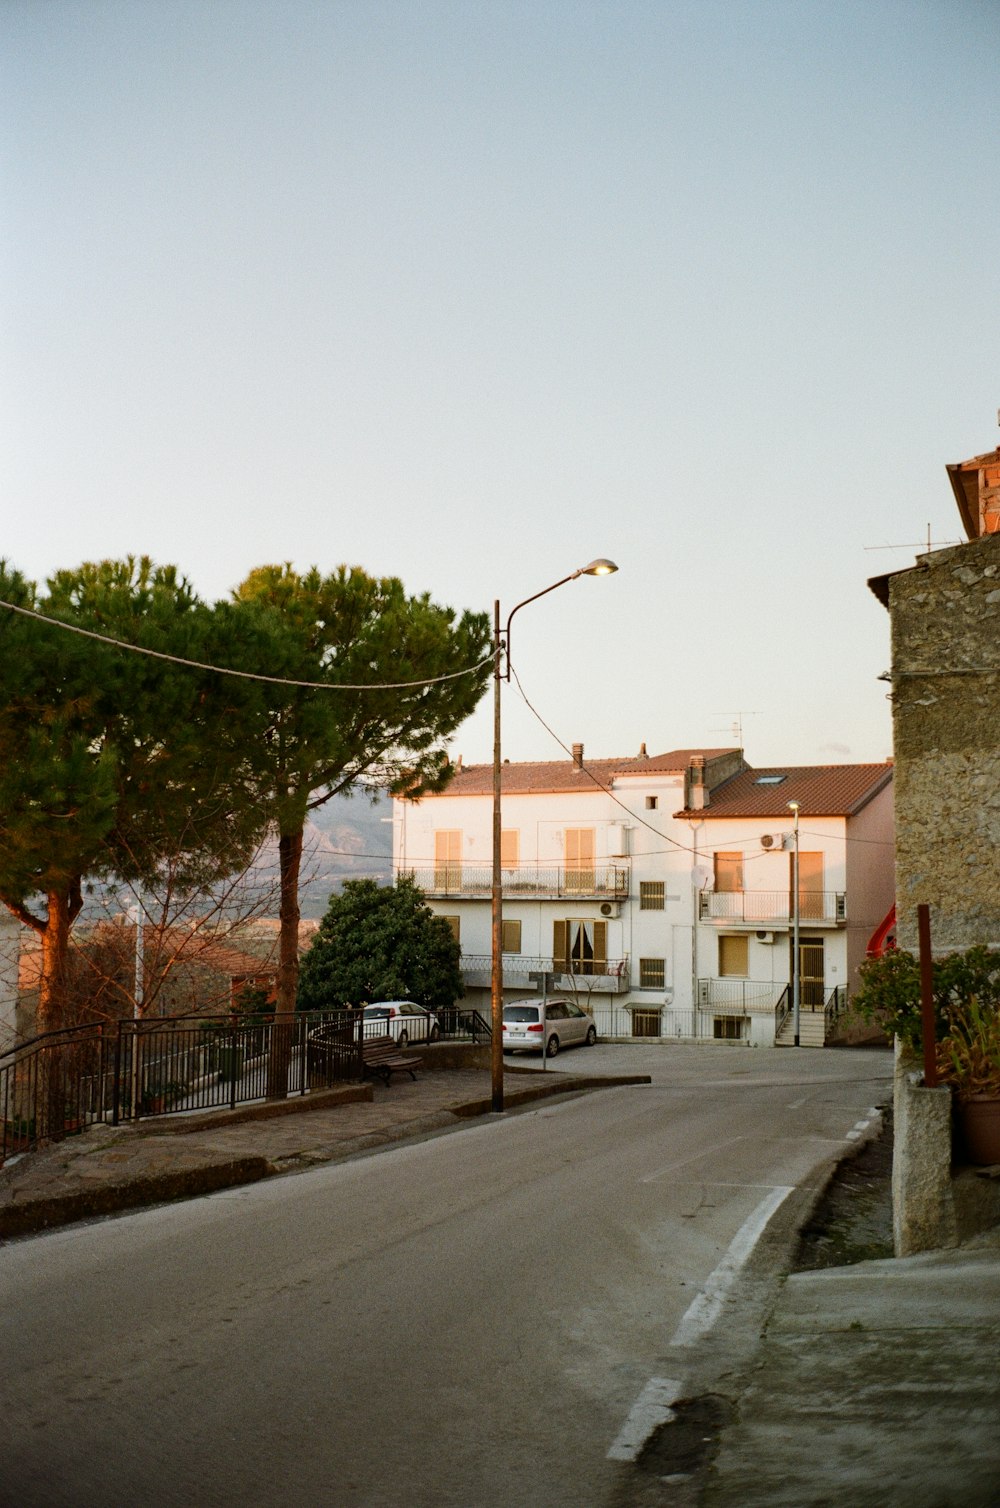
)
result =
(447, 859)
(812, 983)
(580, 861)
(580, 947)
(810, 886)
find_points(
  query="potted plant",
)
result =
(968, 1058)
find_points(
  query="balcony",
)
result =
(772, 908)
(739, 997)
(522, 971)
(598, 882)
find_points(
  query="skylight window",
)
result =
(770, 779)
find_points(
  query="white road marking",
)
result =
(648, 1412)
(704, 1311)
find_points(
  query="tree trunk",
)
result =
(282, 1032)
(51, 1014)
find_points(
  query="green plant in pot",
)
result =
(968, 1058)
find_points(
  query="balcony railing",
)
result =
(605, 976)
(738, 996)
(475, 881)
(772, 908)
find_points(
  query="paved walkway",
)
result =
(874, 1386)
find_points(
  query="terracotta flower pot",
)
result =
(979, 1119)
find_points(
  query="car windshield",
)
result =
(520, 1013)
(376, 1012)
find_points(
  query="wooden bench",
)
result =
(381, 1055)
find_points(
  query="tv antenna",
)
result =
(927, 544)
(735, 727)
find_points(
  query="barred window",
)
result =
(652, 973)
(651, 895)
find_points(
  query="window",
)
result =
(651, 895)
(580, 946)
(652, 973)
(646, 1023)
(728, 1028)
(770, 779)
(455, 923)
(579, 860)
(652, 802)
(510, 848)
(511, 937)
(729, 871)
(734, 957)
(447, 859)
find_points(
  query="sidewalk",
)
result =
(114, 1168)
(873, 1386)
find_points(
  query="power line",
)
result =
(243, 675)
(683, 847)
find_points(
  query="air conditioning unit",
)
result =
(611, 908)
(765, 937)
(772, 840)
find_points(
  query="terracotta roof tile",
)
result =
(536, 778)
(822, 790)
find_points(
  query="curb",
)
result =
(34, 1215)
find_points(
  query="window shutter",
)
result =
(560, 946)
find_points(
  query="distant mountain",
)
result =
(348, 838)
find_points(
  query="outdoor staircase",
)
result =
(812, 1032)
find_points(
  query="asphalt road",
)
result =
(490, 1316)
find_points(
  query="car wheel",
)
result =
(403, 1039)
(435, 1033)
(591, 1036)
(552, 1046)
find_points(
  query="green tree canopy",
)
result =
(380, 943)
(422, 667)
(114, 763)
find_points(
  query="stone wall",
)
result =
(945, 616)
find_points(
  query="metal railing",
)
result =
(739, 995)
(595, 881)
(609, 975)
(768, 908)
(57, 1084)
(836, 1004)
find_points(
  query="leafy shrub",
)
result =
(889, 996)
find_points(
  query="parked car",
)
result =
(531, 1025)
(401, 1019)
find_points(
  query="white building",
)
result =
(657, 889)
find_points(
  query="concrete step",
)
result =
(811, 1031)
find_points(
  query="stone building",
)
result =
(945, 634)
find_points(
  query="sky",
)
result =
(471, 293)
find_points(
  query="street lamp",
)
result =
(501, 649)
(793, 806)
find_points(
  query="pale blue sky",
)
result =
(471, 293)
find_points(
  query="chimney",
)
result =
(642, 750)
(578, 755)
(696, 794)
(458, 763)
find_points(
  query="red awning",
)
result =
(883, 939)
